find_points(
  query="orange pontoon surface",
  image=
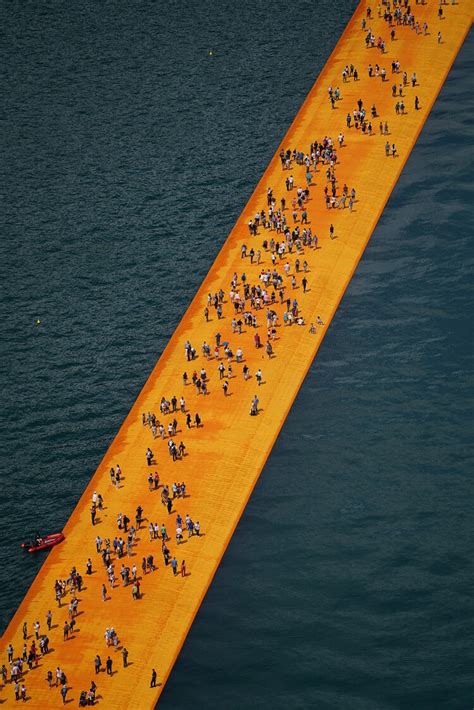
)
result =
(225, 456)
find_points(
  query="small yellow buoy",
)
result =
(38, 322)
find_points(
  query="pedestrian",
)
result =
(174, 566)
(97, 664)
(254, 406)
(104, 593)
(49, 619)
(183, 568)
(63, 692)
(150, 563)
(125, 657)
(331, 231)
(153, 679)
(225, 387)
(108, 665)
(304, 282)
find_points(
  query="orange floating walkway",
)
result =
(225, 456)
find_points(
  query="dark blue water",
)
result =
(348, 582)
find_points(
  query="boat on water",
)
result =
(42, 542)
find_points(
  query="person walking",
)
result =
(108, 665)
(125, 657)
(153, 679)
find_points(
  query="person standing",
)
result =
(125, 657)
(153, 679)
(108, 665)
(174, 566)
(97, 664)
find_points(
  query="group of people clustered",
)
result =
(287, 233)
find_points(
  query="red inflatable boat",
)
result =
(42, 543)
